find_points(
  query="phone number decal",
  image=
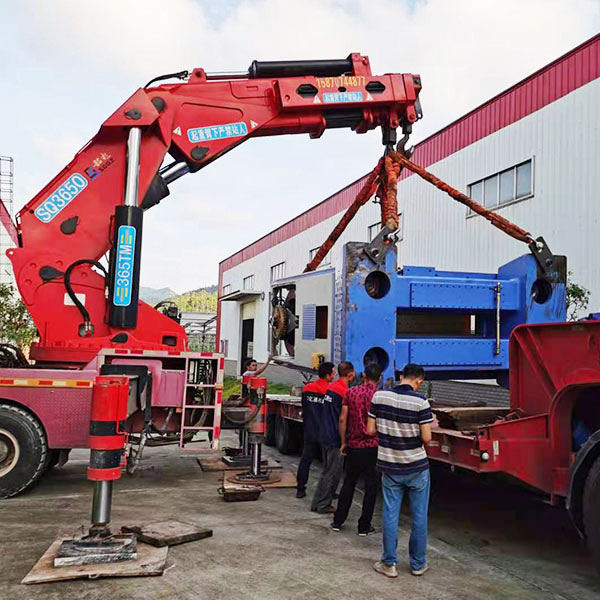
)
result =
(60, 197)
(343, 80)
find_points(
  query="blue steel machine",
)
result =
(456, 324)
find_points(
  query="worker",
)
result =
(360, 451)
(251, 366)
(329, 436)
(312, 403)
(401, 419)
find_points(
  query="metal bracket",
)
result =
(379, 246)
(543, 255)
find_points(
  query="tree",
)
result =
(16, 325)
(197, 301)
(578, 298)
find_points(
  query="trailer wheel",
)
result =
(270, 439)
(285, 438)
(23, 450)
(591, 511)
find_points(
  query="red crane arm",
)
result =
(196, 122)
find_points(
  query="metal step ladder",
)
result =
(203, 391)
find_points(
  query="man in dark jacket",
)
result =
(329, 436)
(312, 404)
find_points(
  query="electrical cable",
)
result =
(178, 75)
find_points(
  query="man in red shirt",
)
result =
(360, 450)
(312, 404)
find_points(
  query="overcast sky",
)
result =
(68, 64)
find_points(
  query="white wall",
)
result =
(563, 139)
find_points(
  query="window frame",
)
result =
(248, 278)
(282, 276)
(497, 174)
(226, 289)
(313, 252)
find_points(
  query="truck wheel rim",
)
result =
(9, 452)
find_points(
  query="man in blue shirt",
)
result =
(401, 418)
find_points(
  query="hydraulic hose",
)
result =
(67, 279)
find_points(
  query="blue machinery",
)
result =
(456, 325)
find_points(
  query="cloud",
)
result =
(81, 59)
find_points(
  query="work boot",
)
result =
(421, 571)
(387, 570)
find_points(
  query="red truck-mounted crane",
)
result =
(91, 323)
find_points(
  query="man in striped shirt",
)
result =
(401, 418)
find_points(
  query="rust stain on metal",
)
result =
(389, 193)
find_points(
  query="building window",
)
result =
(326, 260)
(248, 282)
(315, 325)
(321, 325)
(226, 289)
(278, 271)
(374, 229)
(505, 187)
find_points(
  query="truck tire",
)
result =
(284, 435)
(270, 439)
(591, 511)
(23, 450)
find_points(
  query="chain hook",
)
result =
(401, 146)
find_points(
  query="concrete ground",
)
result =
(488, 539)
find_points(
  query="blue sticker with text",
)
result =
(60, 197)
(124, 266)
(217, 132)
(343, 97)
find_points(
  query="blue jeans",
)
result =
(417, 485)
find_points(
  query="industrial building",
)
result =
(530, 153)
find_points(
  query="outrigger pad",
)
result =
(167, 533)
(88, 550)
(150, 561)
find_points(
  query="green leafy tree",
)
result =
(16, 325)
(578, 298)
(197, 301)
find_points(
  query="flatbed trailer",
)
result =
(284, 423)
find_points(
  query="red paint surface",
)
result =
(535, 444)
(8, 224)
